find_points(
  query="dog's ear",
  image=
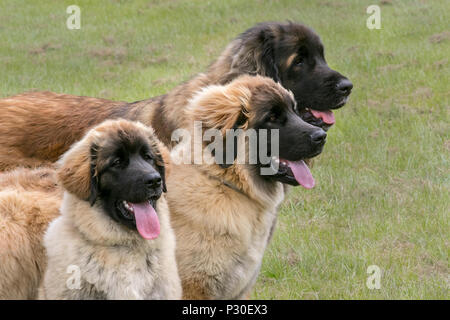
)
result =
(267, 58)
(223, 108)
(220, 107)
(255, 54)
(240, 122)
(77, 171)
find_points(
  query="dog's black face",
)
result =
(273, 109)
(298, 140)
(129, 175)
(293, 54)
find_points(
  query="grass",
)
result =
(382, 196)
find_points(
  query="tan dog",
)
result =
(114, 228)
(29, 200)
(224, 214)
(37, 127)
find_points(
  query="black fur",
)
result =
(94, 179)
(271, 110)
(269, 48)
(130, 171)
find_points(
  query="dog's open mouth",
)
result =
(145, 216)
(324, 119)
(321, 118)
(293, 172)
(326, 116)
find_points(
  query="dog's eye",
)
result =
(302, 55)
(272, 118)
(147, 157)
(117, 162)
(299, 61)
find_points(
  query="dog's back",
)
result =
(36, 128)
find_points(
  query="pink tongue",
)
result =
(326, 116)
(147, 221)
(301, 173)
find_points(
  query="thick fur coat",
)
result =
(109, 260)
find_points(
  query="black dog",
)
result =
(293, 55)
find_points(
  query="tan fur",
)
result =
(114, 262)
(221, 109)
(37, 127)
(29, 200)
(222, 233)
(290, 60)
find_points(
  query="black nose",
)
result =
(318, 137)
(344, 86)
(153, 180)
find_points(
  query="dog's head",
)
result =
(293, 55)
(121, 166)
(258, 104)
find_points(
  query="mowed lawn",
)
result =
(382, 195)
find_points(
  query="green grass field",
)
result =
(382, 195)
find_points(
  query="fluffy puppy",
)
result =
(113, 239)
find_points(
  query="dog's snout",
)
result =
(153, 180)
(344, 86)
(318, 137)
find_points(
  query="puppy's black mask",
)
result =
(126, 172)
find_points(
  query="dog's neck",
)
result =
(243, 178)
(224, 69)
(247, 178)
(226, 183)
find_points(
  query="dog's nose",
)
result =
(153, 180)
(318, 137)
(344, 86)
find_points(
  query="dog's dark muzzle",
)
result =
(153, 184)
